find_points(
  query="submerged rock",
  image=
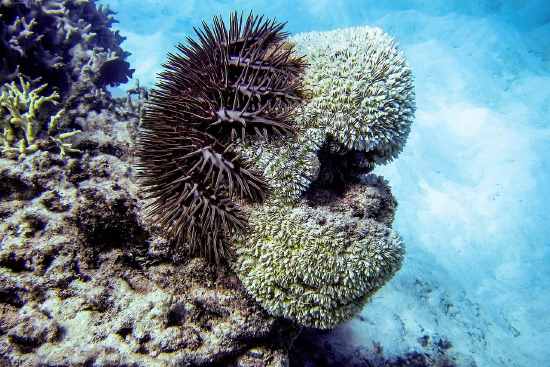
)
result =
(84, 281)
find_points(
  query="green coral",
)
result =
(302, 265)
(360, 93)
(23, 106)
(361, 89)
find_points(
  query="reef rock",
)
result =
(84, 281)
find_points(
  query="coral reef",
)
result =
(318, 262)
(236, 83)
(84, 282)
(24, 106)
(228, 124)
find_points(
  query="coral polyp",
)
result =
(231, 84)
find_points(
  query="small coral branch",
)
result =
(23, 106)
(65, 147)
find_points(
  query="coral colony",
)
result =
(23, 107)
(254, 155)
(319, 264)
(63, 49)
(251, 141)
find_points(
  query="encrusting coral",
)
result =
(23, 107)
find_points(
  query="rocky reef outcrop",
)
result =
(84, 281)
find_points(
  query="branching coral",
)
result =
(23, 106)
(58, 42)
(67, 48)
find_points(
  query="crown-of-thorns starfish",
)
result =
(231, 84)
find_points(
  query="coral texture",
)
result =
(361, 89)
(359, 108)
(59, 42)
(235, 82)
(324, 244)
(318, 262)
(289, 164)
